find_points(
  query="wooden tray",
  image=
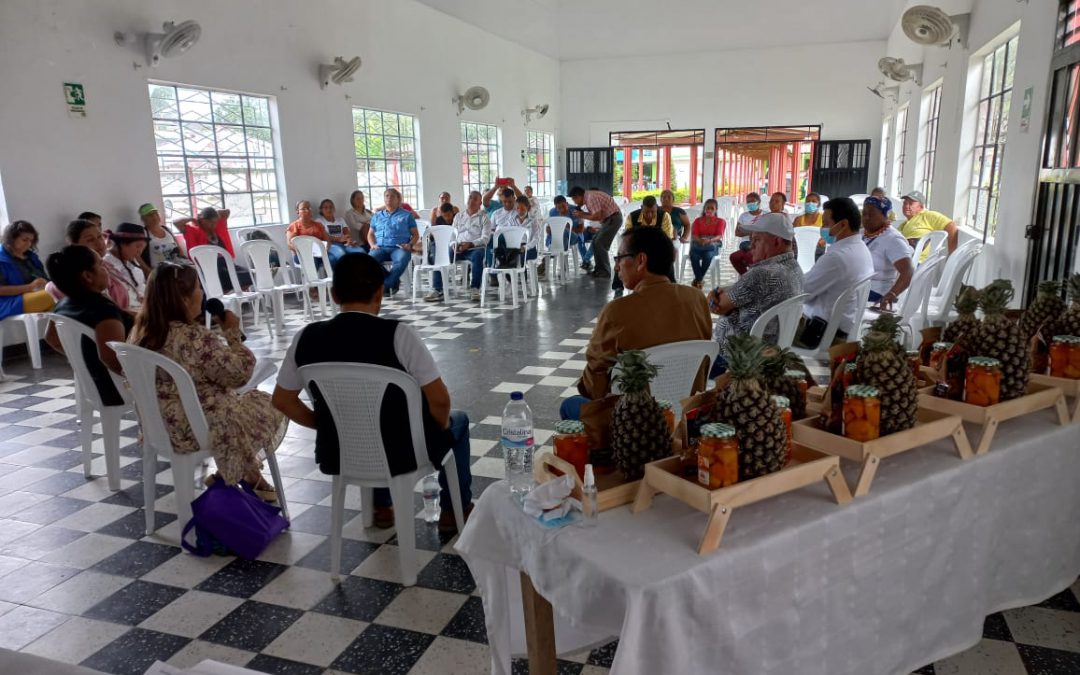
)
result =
(1071, 389)
(930, 426)
(612, 489)
(663, 476)
(1038, 397)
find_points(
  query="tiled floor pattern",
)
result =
(80, 583)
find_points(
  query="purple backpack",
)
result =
(232, 519)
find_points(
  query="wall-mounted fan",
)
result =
(338, 72)
(174, 41)
(896, 70)
(926, 25)
(885, 93)
(539, 111)
(474, 98)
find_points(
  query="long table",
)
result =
(885, 584)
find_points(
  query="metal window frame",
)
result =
(547, 189)
(477, 144)
(368, 188)
(933, 120)
(984, 149)
(900, 153)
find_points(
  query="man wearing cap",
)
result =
(211, 228)
(162, 245)
(773, 277)
(889, 250)
(922, 221)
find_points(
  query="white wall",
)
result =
(53, 166)
(781, 85)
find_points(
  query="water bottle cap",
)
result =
(590, 480)
(517, 396)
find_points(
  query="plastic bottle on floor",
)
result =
(517, 443)
(430, 490)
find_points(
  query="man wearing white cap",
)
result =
(773, 277)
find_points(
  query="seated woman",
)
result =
(338, 232)
(81, 276)
(22, 277)
(162, 245)
(438, 212)
(358, 218)
(811, 217)
(445, 214)
(128, 242)
(242, 426)
(706, 237)
(306, 226)
(83, 232)
(211, 228)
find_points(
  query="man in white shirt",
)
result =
(844, 264)
(473, 229)
(890, 251)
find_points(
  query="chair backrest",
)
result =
(931, 241)
(423, 214)
(952, 276)
(206, 264)
(807, 239)
(679, 364)
(858, 294)
(955, 259)
(787, 313)
(514, 236)
(71, 334)
(258, 254)
(353, 393)
(558, 226)
(858, 199)
(307, 248)
(443, 237)
(823, 198)
(693, 213)
(917, 296)
(140, 368)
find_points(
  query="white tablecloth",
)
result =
(885, 584)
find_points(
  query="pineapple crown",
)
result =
(1073, 285)
(878, 341)
(745, 356)
(967, 300)
(996, 297)
(633, 372)
(886, 323)
(778, 361)
(1049, 287)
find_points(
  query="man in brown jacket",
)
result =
(657, 313)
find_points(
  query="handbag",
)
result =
(231, 518)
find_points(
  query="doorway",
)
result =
(648, 162)
(765, 160)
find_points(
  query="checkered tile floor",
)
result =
(80, 583)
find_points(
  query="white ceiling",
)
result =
(590, 29)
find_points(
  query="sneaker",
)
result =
(447, 524)
(476, 295)
(600, 274)
(587, 266)
(434, 296)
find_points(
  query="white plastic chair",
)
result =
(858, 199)
(33, 323)
(140, 368)
(206, 265)
(72, 334)
(557, 252)
(823, 198)
(788, 314)
(806, 238)
(940, 306)
(913, 303)
(679, 364)
(442, 237)
(858, 294)
(353, 393)
(307, 249)
(931, 241)
(258, 253)
(514, 238)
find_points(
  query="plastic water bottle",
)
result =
(430, 488)
(517, 443)
(590, 507)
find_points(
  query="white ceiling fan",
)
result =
(927, 25)
(338, 72)
(474, 98)
(173, 41)
(896, 70)
(885, 93)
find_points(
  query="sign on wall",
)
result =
(75, 96)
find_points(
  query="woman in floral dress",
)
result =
(242, 426)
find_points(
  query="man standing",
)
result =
(888, 249)
(922, 221)
(649, 215)
(473, 229)
(392, 237)
(358, 280)
(601, 209)
(773, 277)
(658, 312)
(844, 264)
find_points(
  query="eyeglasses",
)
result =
(620, 256)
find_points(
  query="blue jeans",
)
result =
(570, 408)
(700, 259)
(459, 430)
(399, 258)
(474, 256)
(337, 251)
(582, 240)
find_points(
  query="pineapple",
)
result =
(774, 378)
(966, 324)
(746, 405)
(883, 364)
(1045, 311)
(1000, 338)
(639, 431)
(1069, 321)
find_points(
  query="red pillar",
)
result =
(641, 168)
(693, 175)
(627, 165)
(667, 168)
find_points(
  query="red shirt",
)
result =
(195, 236)
(705, 226)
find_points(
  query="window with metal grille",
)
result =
(883, 164)
(930, 137)
(1068, 32)
(991, 129)
(899, 151)
(386, 155)
(481, 156)
(540, 157)
(216, 148)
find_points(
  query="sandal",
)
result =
(266, 492)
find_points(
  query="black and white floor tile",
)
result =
(80, 583)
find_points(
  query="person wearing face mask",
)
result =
(844, 264)
(743, 258)
(811, 217)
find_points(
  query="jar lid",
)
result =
(861, 391)
(718, 430)
(795, 374)
(569, 427)
(664, 405)
(781, 401)
(984, 361)
(942, 345)
(850, 367)
(1067, 339)
(913, 352)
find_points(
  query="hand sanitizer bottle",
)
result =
(588, 499)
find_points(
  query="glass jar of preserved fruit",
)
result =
(783, 404)
(1065, 356)
(862, 413)
(938, 354)
(982, 383)
(669, 413)
(572, 444)
(799, 377)
(718, 456)
(848, 377)
(915, 361)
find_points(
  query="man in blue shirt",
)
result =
(579, 234)
(392, 237)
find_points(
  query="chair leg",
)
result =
(415, 284)
(149, 458)
(110, 431)
(337, 514)
(183, 468)
(86, 435)
(405, 525)
(271, 460)
(367, 507)
(33, 338)
(455, 492)
(512, 279)
(483, 293)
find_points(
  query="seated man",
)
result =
(844, 264)
(774, 276)
(922, 221)
(211, 228)
(392, 238)
(358, 280)
(580, 236)
(473, 233)
(888, 249)
(658, 312)
(649, 215)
